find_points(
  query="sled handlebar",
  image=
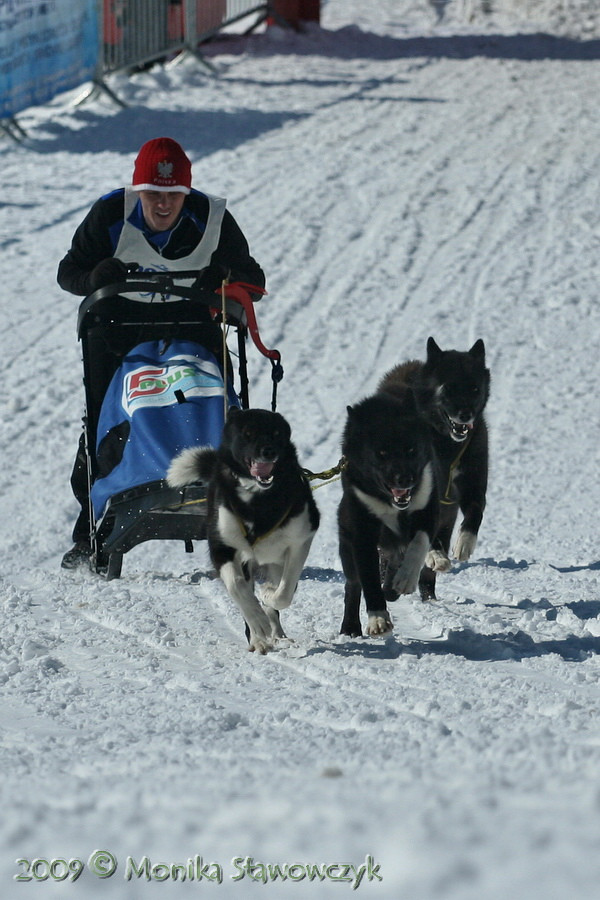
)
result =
(238, 295)
(241, 293)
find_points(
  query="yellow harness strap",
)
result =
(187, 503)
(261, 537)
(447, 499)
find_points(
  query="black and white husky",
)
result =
(451, 389)
(388, 515)
(261, 515)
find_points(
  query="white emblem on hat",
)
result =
(165, 169)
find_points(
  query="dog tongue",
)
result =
(260, 469)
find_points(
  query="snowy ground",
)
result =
(396, 179)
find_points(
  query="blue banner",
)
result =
(46, 46)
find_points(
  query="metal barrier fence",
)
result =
(137, 32)
(89, 39)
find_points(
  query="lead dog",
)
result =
(261, 515)
(451, 390)
(389, 506)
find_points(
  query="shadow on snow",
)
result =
(469, 644)
(351, 42)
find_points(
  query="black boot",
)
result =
(78, 555)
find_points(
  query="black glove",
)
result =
(211, 277)
(106, 272)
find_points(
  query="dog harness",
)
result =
(255, 538)
(447, 499)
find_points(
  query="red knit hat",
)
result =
(161, 165)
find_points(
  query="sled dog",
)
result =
(451, 389)
(389, 508)
(261, 515)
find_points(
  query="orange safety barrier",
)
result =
(296, 11)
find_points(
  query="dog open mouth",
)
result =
(262, 471)
(459, 431)
(401, 497)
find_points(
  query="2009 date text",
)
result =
(55, 869)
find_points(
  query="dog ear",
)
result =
(232, 412)
(478, 350)
(433, 351)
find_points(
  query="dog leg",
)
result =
(407, 576)
(464, 545)
(366, 556)
(241, 591)
(294, 559)
(472, 490)
(273, 576)
(378, 621)
(360, 563)
(352, 588)
(435, 561)
(230, 532)
(388, 566)
(277, 631)
(378, 618)
(351, 621)
(427, 584)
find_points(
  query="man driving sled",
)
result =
(159, 223)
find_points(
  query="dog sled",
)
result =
(158, 376)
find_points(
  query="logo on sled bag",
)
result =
(178, 380)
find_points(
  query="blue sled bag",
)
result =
(164, 397)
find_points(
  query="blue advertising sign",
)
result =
(46, 46)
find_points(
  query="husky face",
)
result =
(460, 383)
(257, 441)
(388, 451)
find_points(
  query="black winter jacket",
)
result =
(98, 235)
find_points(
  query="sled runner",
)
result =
(158, 377)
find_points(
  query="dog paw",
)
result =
(406, 580)
(261, 639)
(271, 595)
(259, 645)
(464, 545)
(261, 630)
(437, 561)
(277, 640)
(379, 623)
